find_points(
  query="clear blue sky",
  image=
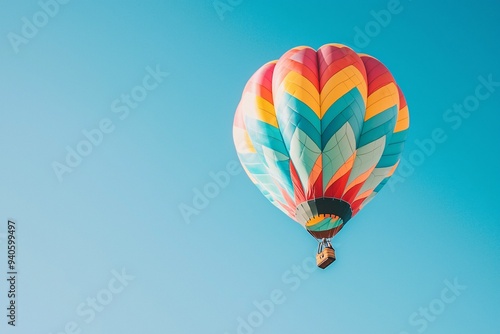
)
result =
(117, 212)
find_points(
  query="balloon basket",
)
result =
(325, 257)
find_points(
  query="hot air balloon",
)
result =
(320, 133)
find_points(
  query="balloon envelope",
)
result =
(320, 133)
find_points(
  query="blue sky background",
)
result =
(120, 207)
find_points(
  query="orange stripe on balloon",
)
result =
(242, 141)
(363, 195)
(302, 89)
(340, 84)
(259, 90)
(402, 99)
(377, 74)
(309, 58)
(241, 138)
(300, 68)
(301, 60)
(359, 181)
(379, 82)
(343, 170)
(403, 120)
(381, 100)
(333, 58)
(258, 108)
(393, 169)
(261, 83)
(315, 175)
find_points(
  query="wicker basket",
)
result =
(325, 257)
